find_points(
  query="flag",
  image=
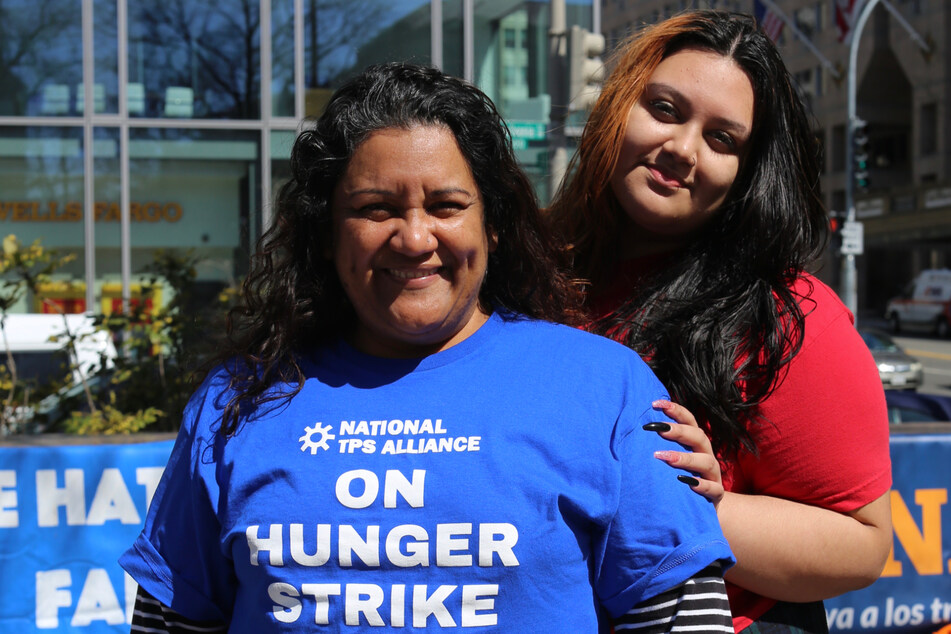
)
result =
(770, 21)
(845, 13)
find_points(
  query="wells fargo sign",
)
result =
(52, 211)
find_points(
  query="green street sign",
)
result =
(524, 131)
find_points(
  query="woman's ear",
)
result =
(493, 236)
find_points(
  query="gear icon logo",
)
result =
(307, 441)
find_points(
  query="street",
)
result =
(935, 355)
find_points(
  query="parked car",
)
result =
(915, 407)
(37, 344)
(897, 368)
(925, 304)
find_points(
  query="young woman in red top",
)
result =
(693, 213)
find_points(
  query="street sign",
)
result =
(524, 131)
(853, 238)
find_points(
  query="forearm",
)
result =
(795, 552)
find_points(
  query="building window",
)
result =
(928, 126)
(193, 61)
(40, 72)
(807, 84)
(805, 20)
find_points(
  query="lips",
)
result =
(665, 177)
(414, 273)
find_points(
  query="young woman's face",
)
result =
(682, 147)
(410, 245)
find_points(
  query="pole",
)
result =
(849, 275)
(557, 88)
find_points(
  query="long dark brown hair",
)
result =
(719, 322)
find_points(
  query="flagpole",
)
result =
(802, 38)
(915, 36)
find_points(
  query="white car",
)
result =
(37, 342)
(896, 368)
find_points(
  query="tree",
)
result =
(40, 43)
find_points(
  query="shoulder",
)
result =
(567, 342)
(517, 325)
(826, 317)
(202, 413)
(817, 298)
(216, 383)
(555, 350)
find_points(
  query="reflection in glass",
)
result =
(511, 66)
(106, 47)
(195, 59)
(341, 37)
(40, 57)
(41, 198)
(196, 192)
(282, 56)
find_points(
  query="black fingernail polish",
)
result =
(657, 427)
(688, 480)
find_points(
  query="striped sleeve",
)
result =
(150, 616)
(699, 604)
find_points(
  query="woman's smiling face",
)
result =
(683, 146)
(410, 245)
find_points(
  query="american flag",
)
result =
(845, 14)
(768, 20)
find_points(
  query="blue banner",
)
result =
(66, 514)
(914, 592)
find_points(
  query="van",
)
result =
(925, 304)
(37, 343)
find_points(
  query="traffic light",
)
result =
(835, 223)
(860, 155)
(585, 68)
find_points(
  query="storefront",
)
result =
(129, 127)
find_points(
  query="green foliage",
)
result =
(163, 338)
(22, 269)
(109, 421)
(25, 268)
(163, 343)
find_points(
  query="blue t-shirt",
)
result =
(499, 484)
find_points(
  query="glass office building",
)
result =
(128, 127)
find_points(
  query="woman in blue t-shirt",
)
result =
(398, 434)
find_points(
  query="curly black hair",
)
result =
(293, 301)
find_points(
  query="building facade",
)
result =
(128, 128)
(903, 95)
